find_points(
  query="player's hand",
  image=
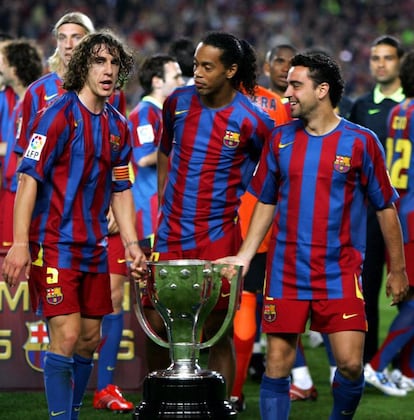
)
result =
(397, 286)
(137, 261)
(228, 270)
(17, 259)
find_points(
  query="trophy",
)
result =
(184, 292)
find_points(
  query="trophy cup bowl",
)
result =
(184, 292)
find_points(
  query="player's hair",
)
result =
(236, 51)
(25, 57)
(183, 50)
(391, 41)
(270, 55)
(323, 69)
(153, 66)
(407, 74)
(86, 52)
(76, 18)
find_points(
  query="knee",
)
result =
(350, 369)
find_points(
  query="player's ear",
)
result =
(231, 71)
(323, 90)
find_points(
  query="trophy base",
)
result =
(198, 396)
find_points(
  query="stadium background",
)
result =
(346, 28)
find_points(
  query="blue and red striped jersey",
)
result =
(145, 122)
(9, 181)
(213, 153)
(39, 93)
(8, 100)
(78, 159)
(320, 185)
(400, 162)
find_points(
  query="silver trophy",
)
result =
(184, 292)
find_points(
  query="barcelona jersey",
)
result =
(321, 185)
(400, 162)
(79, 159)
(145, 122)
(213, 153)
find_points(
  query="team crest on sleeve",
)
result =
(35, 147)
(269, 312)
(342, 164)
(231, 139)
(115, 142)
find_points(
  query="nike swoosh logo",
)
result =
(282, 146)
(120, 260)
(373, 111)
(181, 112)
(48, 98)
(224, 295)
(347, 412)
(110, 368)
(57, 413)
(347, 316)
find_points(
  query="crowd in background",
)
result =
(346, 28)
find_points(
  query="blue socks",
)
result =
(82, 372)
(274, 398)
(112, 327)
(58, 378)
(346, 396)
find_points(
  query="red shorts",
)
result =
(326, 316)
(6, 218)
(228, 245)
(63, 291)
(116, 255)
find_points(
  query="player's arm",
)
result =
(122, 205)
(162, 170)
(18, 256)
(397, 282)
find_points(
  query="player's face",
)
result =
(7, 74)
(384, 63)
(302, 94)
(278, 68)
(103, 73)
(68, 36)
(210, 75)
(173, 78)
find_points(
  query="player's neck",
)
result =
(387, 89)
(93, 103)
(322, 123)
(219, 99)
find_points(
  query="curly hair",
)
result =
(236, 51)
(25, 57)
(85, 53)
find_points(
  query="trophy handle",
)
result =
(142, 319)
(235, 291)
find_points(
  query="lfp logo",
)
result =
(35, 147)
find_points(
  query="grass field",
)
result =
(374, 405)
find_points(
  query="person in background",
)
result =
(80, 145)
(8, 99)
(182, 49)
(159, 75)
(316, 255)
(247, 322)
(371, 110)
(212, 138)
(20, 64)
(400, 161)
